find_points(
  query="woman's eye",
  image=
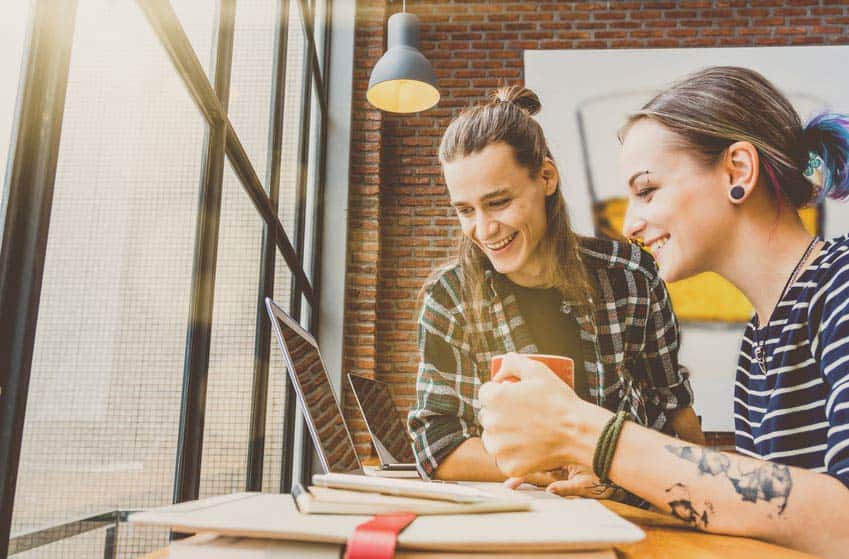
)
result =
(645, 192)
(464, 211)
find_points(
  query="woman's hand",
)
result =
(572, 480)
(538, 423)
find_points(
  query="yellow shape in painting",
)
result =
(706, 297)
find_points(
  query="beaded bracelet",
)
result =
(606, 446)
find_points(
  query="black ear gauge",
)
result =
(737, 192)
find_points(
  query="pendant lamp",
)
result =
(403, 81)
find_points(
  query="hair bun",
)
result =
(519, 96)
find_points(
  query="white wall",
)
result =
(603, 86)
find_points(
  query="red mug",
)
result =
(563, 367)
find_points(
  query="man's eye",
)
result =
(464, 211)
(500, 202)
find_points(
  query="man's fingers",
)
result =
(486, 441)
(485, 392)
(514, 482)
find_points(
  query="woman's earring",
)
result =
(737, 193)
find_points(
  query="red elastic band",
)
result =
(376, 538)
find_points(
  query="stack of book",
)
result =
(453, 520)
(211, 546)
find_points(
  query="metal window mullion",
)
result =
(34, 155)
(262, 347)
(300, 228)
(316, 245)
(321, 165)
(301, 186)
(199, 333)
(244, 170)
(67, 529)
(165, 23)
(307, 17)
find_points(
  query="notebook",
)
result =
(211, 546)
(326, 500)
(550, 525)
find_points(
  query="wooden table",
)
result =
(667, 537)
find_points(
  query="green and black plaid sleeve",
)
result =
(447, 381)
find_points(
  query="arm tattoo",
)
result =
(601, 490)
(682, 507)
(764, 482)
(598, 490)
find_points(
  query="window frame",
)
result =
(34, 157)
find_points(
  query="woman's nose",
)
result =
(633, 224)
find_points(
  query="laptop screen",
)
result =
(324, 417)
(382, 417)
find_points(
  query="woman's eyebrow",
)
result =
(635, 176)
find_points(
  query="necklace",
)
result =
(760, 346)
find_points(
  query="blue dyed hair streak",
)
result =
(827, 135)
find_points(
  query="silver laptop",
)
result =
(324, 418)
(384, 424)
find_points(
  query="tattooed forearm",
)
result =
(682, 507)
(709, 461)
(765, 482)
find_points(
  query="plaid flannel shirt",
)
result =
(630, 348)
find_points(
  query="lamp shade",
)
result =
(403, 81)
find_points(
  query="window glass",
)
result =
(13, 26)
(105, 389)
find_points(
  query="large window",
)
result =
(190, 162)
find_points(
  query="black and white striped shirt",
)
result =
(798, 412)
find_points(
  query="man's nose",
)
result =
(486, 226)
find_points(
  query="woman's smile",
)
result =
(657, 246)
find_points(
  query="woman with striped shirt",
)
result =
(716, 167)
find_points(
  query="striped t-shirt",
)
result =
(798, 413)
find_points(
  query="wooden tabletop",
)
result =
(668, 537)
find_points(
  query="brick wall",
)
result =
(400, 224)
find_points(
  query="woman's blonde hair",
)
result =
(507, 118)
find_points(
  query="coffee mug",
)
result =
(563, 367)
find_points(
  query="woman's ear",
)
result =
(550, 176)
(742, 166)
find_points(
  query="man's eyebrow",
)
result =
(496, 194)
(485, 197)
(635, 176)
